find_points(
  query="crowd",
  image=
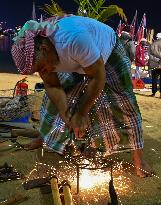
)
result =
(143, 54)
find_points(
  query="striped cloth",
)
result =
(114, 119)
(23, 48)
(23, 53)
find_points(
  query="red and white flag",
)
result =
(120, 28)
(141, 31)
(132, 25)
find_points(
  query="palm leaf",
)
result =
(98, 4)
(95, 9)
(52, 9)
(76, 1)
(91, 8)
(109, 11)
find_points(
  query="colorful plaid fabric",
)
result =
(115, 117)
(23, 48)
(23, 53)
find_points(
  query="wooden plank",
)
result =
(30, 133)
(67, 193)
(55, 191)
(17, 124)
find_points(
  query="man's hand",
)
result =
(97, 74)
(78, 124)
(66, 118)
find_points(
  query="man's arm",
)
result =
(156, 49)
(55, 92)
(97, 73)
(153, 58)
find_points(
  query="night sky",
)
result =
(17, 12)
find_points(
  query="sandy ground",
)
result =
(8, 81)
(145, 191)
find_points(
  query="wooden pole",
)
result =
(77, 179)
(30, 133)
(55, 191)
(67, 193)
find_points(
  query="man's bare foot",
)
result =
(142, 168)
(35, 144)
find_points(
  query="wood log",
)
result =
(30, 133)
(55, 191)
(67, 193)
(18, 125)
(35, 183)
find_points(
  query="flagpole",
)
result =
(33, 11)
(41, 18)
(118, 30)
(134, 18)
(142, 21)
(133, 24)
(141, 29)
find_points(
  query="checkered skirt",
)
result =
(114, 118)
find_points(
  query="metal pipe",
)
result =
(77, 179)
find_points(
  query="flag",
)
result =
(144, 20)
(132, 25)
(120, 28)
(141, 31)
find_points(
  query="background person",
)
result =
(128, 43)
(140, 58)
(155, 64)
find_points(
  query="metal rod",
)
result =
(77, 179)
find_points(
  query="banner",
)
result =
(141, 31)
(132, 25)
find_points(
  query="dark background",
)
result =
(16, 12)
